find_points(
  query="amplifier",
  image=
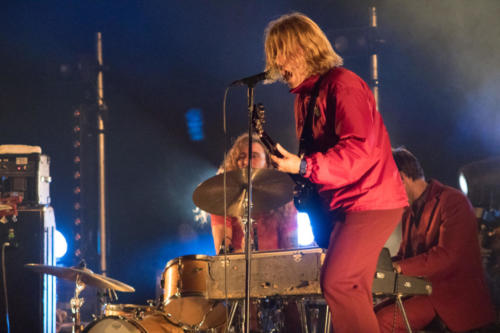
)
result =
(31, 296)
(25, 172)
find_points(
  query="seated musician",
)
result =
(439, 243)
(276, 229)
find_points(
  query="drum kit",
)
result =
(185, 304)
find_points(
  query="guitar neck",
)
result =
(270, 144)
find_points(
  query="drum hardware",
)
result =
(315, 316)
(232, 313)
(270, 315)
(82, 277)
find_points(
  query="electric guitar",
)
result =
(306, 197)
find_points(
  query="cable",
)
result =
(224, 127)
(4, 276)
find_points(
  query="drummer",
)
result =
(276, 229)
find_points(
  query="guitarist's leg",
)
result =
(350, 265)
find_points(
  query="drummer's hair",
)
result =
(295, 32)
(240, 143)
(407, 163)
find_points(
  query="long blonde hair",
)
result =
(292, 32)
(241, 144)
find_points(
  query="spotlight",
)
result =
(463, 183)
(304, 230)
(60, 245)
(194, 122)
(480, 181)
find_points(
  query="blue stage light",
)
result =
(194, 122)
(60, 244)
(304, 230)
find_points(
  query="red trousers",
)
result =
(419, 310)
(349, 268)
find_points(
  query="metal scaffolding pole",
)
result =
(101, 156)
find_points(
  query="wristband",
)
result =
(303, 167)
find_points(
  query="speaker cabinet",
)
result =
(31, 296)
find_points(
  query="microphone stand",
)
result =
(248, 222)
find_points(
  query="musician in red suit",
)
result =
(347, 156)
(276, 229)
(440, 243)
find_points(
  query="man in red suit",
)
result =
(439, 243)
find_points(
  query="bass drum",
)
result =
(151, 323)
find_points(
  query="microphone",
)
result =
(251, 80)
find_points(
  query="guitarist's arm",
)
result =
(341, 165)
(355, 152)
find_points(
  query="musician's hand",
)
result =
(290, 163)
(396, 266)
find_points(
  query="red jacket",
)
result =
(352, 163)
(444, 248)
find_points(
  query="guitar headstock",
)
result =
(258, 119)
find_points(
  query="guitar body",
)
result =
(307, 200)
(306, 197)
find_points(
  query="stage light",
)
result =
(60, 245)
(194, 122)
(480, 181)
(304, 231)
(462, 182)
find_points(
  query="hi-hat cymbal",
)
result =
(84, 274)
(270, 189)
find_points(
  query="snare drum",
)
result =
(130, 311)
(151, 323)
(184, 282)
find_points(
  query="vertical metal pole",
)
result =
(373, 58)
(101, 156)
(303, 315)
(403, 312)
(248, 225)
(328, 320)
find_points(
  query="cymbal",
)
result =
(270, 189)
(84, 274)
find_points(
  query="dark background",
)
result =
(439, 71)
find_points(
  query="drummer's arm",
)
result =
(218, 232)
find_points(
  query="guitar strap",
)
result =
(306, 137)
(319, 215)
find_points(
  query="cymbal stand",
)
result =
(76, 304)
(232, 313)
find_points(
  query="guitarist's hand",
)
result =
(290, 163)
